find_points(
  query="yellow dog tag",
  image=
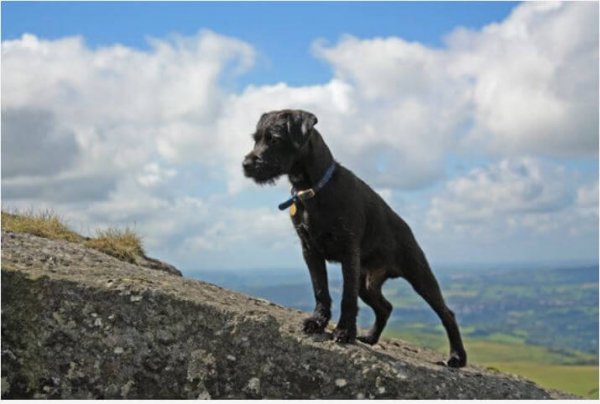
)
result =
(293, 209)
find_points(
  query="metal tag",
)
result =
(293, 209)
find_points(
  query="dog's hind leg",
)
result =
(370, 293)
(424, 283)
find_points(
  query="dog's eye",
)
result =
(272, 137)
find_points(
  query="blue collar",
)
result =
(311, 192)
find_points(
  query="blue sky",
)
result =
(282, 32)
(477, 122)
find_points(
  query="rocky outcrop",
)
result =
(153, 263)
(77, 323)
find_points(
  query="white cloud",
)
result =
(514, 196)
(520, 85)
(535, 81)
(126, 106)
(405, 111)
(154, 175)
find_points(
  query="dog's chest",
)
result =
(320, 232)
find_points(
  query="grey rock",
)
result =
(188, 339)
(253, 387)
(340, 382)
(153, 263)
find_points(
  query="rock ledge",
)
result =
(77, 323)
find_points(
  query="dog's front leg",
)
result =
(346, 327)
(318, 275)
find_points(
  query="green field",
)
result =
(555, 370)
(580, 380)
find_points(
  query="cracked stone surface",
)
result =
(77, 323)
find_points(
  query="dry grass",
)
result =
(43, 224)
(125, 244)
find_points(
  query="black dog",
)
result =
(340, 218)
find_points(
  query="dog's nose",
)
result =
(249, 161)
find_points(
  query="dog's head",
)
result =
(279, 138)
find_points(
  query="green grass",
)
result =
(579, 380)
(499, 337)
(555, 370)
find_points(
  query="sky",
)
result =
(476, 122)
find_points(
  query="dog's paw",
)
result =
(313, 325)
(368, 339)
(457, 360)
(343, 335)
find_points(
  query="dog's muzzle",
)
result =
(249, 165)
(258, 169)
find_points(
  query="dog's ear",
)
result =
(300, 125)
(308, 121)
(262, 118)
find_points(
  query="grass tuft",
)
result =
(43, 224)
(125, 244)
